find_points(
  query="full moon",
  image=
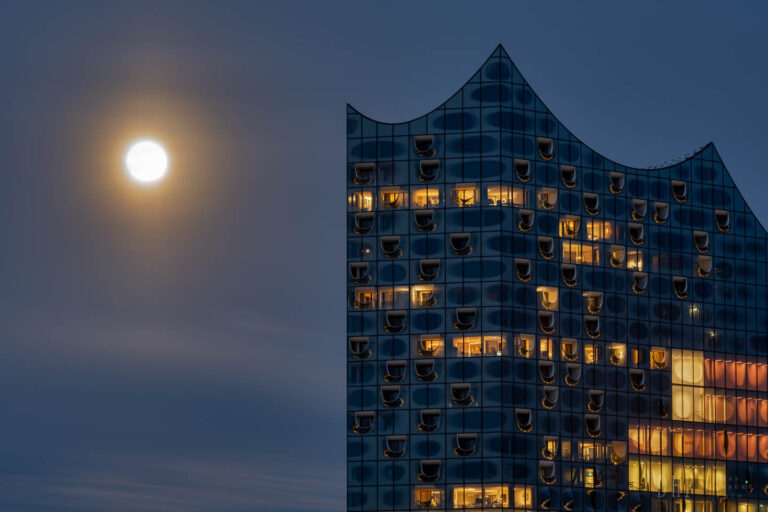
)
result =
(146, 161)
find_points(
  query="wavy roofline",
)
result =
(666, 165)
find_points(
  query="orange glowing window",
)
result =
(635, 260)
(365, 298)
(470, 346)
(429, 345)
(428, 497)
(547, 297)
(505, 195)
(599, 230)
(591, 353)
(392, 197)
(581, 253)
(361, 201)
(569, 226)
(478, 496)
(546, 348)
(425, 197)
(465, 194)
(524, 345)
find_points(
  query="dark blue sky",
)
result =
(181, 348)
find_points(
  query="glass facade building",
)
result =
(532, 326)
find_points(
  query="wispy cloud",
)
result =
(181, 484)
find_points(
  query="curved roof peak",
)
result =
(491, 78)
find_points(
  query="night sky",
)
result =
(182, 347)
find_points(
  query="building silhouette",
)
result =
(532, 326)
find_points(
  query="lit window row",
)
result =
(462, 195)
(656, 474)
(488, 496)
(706, 443)
(694, 403)
(394, 297)
(691, 367)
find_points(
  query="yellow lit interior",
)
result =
(465, 195)
(569, 227)
(425, 197)
(617, 354)
(635, 260)
(580, 253)
(591, 353)
(432, 344)
(546, 347)
(422, 296)
(659, 358)
(565, 450)
(361, 201)
(505, 195)
(469, 346)
(656, 474)
(591, 451)
(547, 297)
(687, 367)
(492, 496)
(524, 345)
(523, 496)
(428, 497)
(567, 349)
(617, 253)
(365, 298)
(599, 230)
(392, 197)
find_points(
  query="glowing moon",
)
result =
(146, 161)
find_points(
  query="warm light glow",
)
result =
(426, 197)
(493, 496)
(599, 230)
(146, 161)
(504, 195)
(469, 346)
(361, 201)
(580, 253)
(465, 194)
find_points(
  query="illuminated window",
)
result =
(430, 345)
(635, 260)
(361, 201)
(618, 255)
(591, 353)
(424, 296)
(505, 195)
(392, 197)
(659, 359)
(425, 197)
(524, 345)
(617, 354)
(590, 451)
(547, 297)
(687, 367)
(580, 253)
(523, 496)
(465, 194)
(663, 475)
(599, 230)
(546, 348)
(428, 497)
(569, 226)
(569, 349)
(546, 198)
(469, 346)
(365, 298)
(492, 496)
